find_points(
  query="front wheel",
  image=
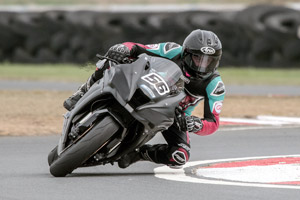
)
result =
(89, 144)
(52, 156)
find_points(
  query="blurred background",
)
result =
(48, 48)
(261, 33)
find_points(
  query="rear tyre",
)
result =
(89, 144)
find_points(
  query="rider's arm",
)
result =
(167, 50)
(132, 50)
(212, 107)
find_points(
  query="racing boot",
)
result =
(132, 157)
(72, 100)
(102, 65)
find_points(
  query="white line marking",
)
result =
(253, 121)
(167, 173)
(291, 120)
(264, 120)
(276, 173)
(255, 128)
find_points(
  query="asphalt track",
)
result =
(24, 172)
(230, 89)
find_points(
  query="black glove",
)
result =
(188, 123)
(119, 52)
(193, 124)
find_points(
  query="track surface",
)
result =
(24, 172)
(230, 89)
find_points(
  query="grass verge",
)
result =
(47, 72)
(260, 76)
(77, 73)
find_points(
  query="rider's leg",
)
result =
(72, 100)
(175, 153)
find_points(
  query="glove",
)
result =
(193, 124)
(119, 52)
(188, 123)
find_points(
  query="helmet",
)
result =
(201, 53)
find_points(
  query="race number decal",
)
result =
(157, 82)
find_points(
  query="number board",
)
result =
(158, 83)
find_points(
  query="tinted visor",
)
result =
(201, 63)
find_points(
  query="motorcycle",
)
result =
(120, 113)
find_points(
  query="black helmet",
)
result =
(201, 53)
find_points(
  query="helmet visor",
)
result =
(202, 63)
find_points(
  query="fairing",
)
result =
(148, 90)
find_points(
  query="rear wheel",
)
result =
(89, 144)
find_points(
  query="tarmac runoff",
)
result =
(230, 89)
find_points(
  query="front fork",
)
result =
(79, 130)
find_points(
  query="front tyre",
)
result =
(52, 156)
(89, 144)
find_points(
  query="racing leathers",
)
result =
(212, 90)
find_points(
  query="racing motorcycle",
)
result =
(120, 112)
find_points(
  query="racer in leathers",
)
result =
(198, 58)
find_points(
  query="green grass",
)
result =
(49, 72)
(260, 76)
(77, 73)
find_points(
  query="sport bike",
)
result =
(119, 113)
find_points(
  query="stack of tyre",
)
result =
(273, 35)
(259, 35)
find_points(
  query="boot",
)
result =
(72, 100)
(132, 157)
(97, 75)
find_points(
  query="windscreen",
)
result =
(167, 69)
(164, 76)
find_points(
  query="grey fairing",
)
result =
(95, 92)
(125, 78)
(121, 81)
(158, 112)
(161, 110)
(162, 113)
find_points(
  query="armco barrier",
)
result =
(260, 35)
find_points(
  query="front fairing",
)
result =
(150, 88)
(156, 77)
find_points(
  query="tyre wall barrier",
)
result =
(260, 35)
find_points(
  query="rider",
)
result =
(198, 58)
